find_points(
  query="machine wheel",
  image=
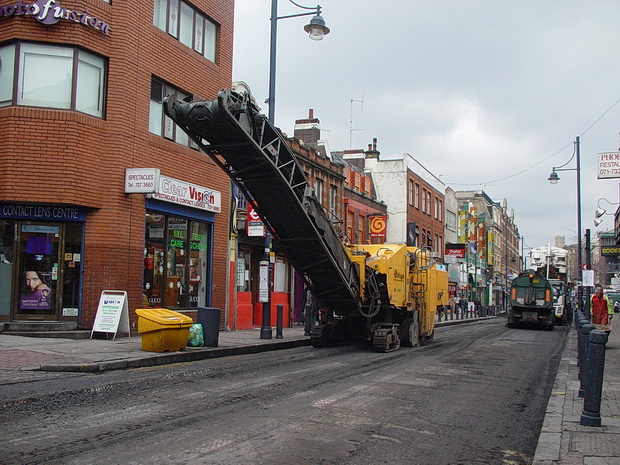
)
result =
(322, 336)
(386, 339)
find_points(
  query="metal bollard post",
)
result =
(578, 325)
(279, 322)
(586, 329)
(591, 414)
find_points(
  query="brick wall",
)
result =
(59, 156)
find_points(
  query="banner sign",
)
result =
(112, 314)
(141, 180)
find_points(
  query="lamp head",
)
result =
(553, 177)
(316, 29)
(597, 222)
(599, 212)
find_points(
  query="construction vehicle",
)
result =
(531, 301)
(387, 294)
(560, 299)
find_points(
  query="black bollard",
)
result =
(591, 414)
(586, 329)
(279, 322)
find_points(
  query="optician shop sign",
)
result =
(24, 211)
(183, 193)
(49, 12)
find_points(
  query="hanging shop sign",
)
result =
(183, 193)
(377, 227)
(454, 250)
(141, 180)
(254, 224)
(49, 12)
(608, 165)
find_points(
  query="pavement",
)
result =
(562, 439)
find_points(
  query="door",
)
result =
(38, 295)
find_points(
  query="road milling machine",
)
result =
(387, 294)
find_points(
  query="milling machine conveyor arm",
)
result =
(244, 143)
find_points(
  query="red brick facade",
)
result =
(64, 157)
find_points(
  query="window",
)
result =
(176, 256)
(451, 221)
(53, 77)
(410, 192)
(440, 210)
(188, 25)
(417, 196)
(428, 203)
(318, 189)
(333, 198)
(159, 123)
(423, 200)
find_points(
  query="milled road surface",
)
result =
(476, 394)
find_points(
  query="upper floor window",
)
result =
(410, 192)
(423, 200)
(159, 123)
(318, 190)
(333, 199)
(451, 220)
(188, 25)
(54, 77)
(417, 196)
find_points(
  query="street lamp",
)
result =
(599, 212)
(553, 179)
(316, 29)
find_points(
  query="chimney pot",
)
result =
(311, 113)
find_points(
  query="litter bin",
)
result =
(209, 318)
(163, 330)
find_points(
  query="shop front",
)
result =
(41, 256)
(178, 245)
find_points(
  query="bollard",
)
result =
(586, 329)
(591, 414)
(578, 325)
(279, 322)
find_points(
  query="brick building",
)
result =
(81, 89)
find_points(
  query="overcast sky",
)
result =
(487, 95)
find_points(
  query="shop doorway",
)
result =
(45, 265)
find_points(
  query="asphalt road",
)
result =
(476, 394)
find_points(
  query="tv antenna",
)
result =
(361, 102)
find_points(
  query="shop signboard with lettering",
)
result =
(141, 180)
(112, 314)
(183, 193)
(608, 165)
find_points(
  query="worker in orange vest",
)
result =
(601, 308)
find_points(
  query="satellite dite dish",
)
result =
(241, 87)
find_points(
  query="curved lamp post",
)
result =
(553, 179)
(316, 30)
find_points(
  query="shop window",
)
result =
(159, 123)
(191, 27)
(53, 77)
(243, 271)
(176, 259)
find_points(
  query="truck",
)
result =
(560, 299)
(387, 294)
(531, 301)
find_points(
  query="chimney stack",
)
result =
(308, 130)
